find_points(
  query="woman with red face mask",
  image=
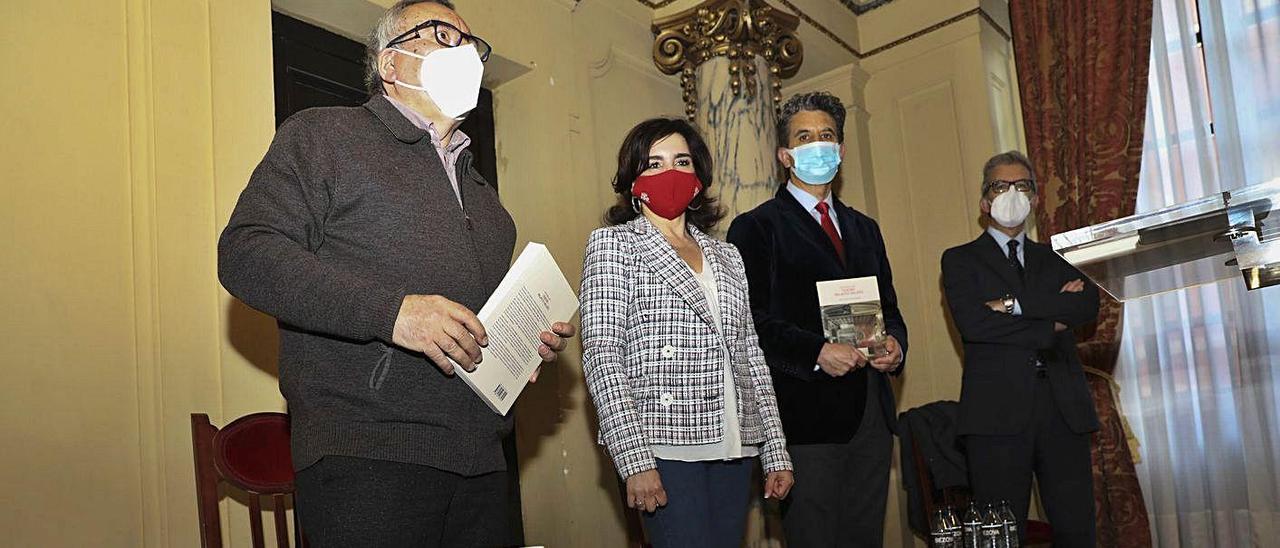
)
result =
(670, 352)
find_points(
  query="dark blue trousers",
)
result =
(706, 504)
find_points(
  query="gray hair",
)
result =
(382, 34)
(1008, 158)
(816, 100)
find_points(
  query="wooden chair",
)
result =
(252, 454)
(1038, 532)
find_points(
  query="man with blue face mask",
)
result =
(1025, 406)
(368, 235)
(837, 406)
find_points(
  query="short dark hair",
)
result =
(633, 158)
(382, 35)
(1007, 158)
(814, 100)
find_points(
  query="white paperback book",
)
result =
(851, 313)
(532, 296)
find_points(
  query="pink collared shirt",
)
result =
(448, 155)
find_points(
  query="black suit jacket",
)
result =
(1000, 350)
(786, 253)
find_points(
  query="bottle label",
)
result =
(986, 532)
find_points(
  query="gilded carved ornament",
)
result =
(740, 30)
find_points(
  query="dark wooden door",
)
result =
(317, 68)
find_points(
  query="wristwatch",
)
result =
(1008, 304)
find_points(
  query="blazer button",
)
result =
(668, 351)
(666, 399)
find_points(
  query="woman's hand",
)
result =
(644, 491)
(778, 484)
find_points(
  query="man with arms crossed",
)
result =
(1024, 403)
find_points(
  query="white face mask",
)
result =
(450, 77)
(1011, 208)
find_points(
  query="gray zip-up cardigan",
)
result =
(349, 211)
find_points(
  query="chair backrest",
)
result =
(931, 496)
(924, 479)
(1037, 532)
(252, 454)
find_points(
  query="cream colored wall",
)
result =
(923, 118)
(123, 162)
(69, 409)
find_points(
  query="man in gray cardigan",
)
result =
(370, 238)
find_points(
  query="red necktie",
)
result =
(830, 228)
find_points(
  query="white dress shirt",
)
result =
(810, 204)
(1002, 240)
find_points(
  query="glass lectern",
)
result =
(1214, 238)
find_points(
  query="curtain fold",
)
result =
(1198, 365)
(1082, 69)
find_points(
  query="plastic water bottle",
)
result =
(1011, 538)
(953, 526)
(939, 532)
(972, 527)
(992, 528)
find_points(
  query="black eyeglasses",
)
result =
(446, 35)
(1000, 187)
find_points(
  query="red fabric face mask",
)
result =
(668, 193)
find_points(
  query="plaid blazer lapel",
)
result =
(661, 258)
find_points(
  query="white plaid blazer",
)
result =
(653, 356)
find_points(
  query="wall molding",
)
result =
(146, 298)
(601, 67)
(821, 28)
(979, 12)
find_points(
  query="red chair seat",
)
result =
(252, 454)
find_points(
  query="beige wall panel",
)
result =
(243, 105)
(1002, 87)
(187, 339)
(69, 404)
(243, 122)
(900, 18)
(931, 131)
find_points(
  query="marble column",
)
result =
(731, 56)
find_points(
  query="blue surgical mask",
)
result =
(816, 163)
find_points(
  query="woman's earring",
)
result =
(703, 202)
(635, 204)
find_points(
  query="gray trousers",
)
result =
(841, 489)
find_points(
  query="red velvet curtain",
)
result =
(1082, 67)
